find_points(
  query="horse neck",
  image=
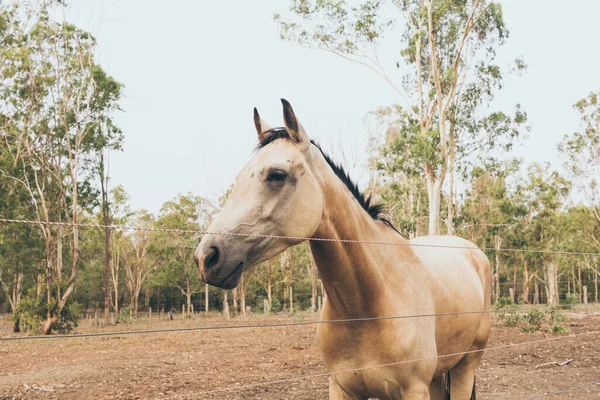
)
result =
(353, 274)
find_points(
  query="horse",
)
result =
(291, 190)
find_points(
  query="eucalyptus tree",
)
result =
(174, 253)
(543, 194)
(53, 99)
(489, 212)
(448, 51)
(581, 151)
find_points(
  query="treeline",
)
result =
(431, 166)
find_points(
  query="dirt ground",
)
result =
(178, 365)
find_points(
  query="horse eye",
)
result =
(277, 176)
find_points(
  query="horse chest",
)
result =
(352, 349)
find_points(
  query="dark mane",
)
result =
(375, 210)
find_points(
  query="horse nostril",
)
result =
(211, 258)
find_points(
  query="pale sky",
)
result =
(194, 70)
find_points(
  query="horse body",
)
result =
(375, 280)
(291, 189)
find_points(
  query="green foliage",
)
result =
(533, 319)
(510, 315)
(503, 302)
(32, 312)
(559, 322)
(571, 299)
(56, 106)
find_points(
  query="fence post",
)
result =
(266, 306)
(511, 293)
(149, 312)
(585, 298)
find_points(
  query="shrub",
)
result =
(502, 302)
(32, 312)
(571, 299)
(559, 322)
(510, 315)
(534, 319)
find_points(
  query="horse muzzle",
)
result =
(218, 268)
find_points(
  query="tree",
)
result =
(172, 253)
(138, 264)
(581, 151)
(54, 99)
(120, 214)
(443, 43)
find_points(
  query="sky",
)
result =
(194, 70)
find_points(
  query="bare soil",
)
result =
(181, 365)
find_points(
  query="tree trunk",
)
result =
(552, 284)
(107, 231)
(225, 305)
(291, 282)
(14, 297)
(596, 286)
(525, 281)
(434, 187)
(47, 327)
(188, 299)
(497, 243)
(270, 284)
(514, 285)
(235, 293)
(451, 183)
(580, 284)
(206, 298)
(243, 294)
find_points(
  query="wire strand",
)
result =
(350, 370)
(275, 325)
(550, 394)
(301, 238)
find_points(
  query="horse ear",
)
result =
(296, 131)
(261, 126)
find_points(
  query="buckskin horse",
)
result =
(292, 190)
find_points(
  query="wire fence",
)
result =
(281, 324)
(288, 324)
(563, 391)
(240, 387)
(300, 238)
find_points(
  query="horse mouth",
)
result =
(232, 280)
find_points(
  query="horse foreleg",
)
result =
(462, 377)
(437, 389)
(337, 393)
(416, 392)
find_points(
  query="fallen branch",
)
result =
(560, 364)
